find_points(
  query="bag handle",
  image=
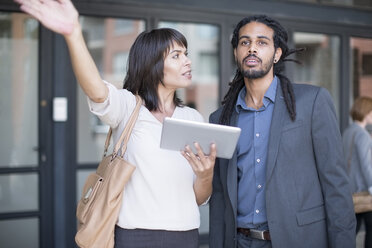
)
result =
(124, 137)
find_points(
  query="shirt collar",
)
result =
(268, 97)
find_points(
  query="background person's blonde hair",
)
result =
(361, 108)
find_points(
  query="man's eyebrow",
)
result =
(260, 36)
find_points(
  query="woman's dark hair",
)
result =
(280, 41)
(146, 64)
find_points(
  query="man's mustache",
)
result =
(251, 56)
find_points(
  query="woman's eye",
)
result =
(176, 56)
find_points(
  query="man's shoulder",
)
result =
(305, 87)
(215, 116)
(301, 90)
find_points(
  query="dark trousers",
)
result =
(247, 242)
(367, 218)
(142, 238)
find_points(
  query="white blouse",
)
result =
(160, 193)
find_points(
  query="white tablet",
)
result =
(177, 133)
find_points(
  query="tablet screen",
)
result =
(177, 133)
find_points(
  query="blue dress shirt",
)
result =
(252, 155)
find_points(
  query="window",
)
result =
(361, 82)
(203, 40)
(367, 64)
(320, 62)
(109, 51)
(19, 191)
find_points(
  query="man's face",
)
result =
(255, 53)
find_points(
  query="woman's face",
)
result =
(177, 68)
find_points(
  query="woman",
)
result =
(358, 151)
(160, 204)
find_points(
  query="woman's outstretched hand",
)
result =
(59, 16)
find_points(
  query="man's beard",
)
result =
(254, 74)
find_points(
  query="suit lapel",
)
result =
(280, 110)
(232, 177)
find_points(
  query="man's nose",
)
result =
(252, 48)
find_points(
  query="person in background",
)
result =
(160, 203)
(286, 185)
(358, 152)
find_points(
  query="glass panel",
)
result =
(82, 175)
(361, 50)
(305, 1)
(354, 3)
(204, 219)
(348, 3)
(19, 233)
(19, 192)
(109, 41)
(320, 62)
(361, 68)
(203, 40)
(18, 94)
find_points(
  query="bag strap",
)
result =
(350, 152)
(125, 135)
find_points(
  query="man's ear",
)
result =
(235, 58)
(278, 54)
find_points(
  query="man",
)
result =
(286, 185)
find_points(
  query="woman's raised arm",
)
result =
(61, 17)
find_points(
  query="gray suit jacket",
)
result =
(308, 197)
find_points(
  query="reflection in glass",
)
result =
(19, 192)
(361, 50)
(19, 90)
(203, 40)
(320, 62)
(19, 233)
(109, 41)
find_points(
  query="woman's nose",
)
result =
(188, 61)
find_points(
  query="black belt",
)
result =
(255, 234)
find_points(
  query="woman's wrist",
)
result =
(76, 33)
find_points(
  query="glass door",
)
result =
(108, 41)
(20, 170)
(361, 69)
(320, 62)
